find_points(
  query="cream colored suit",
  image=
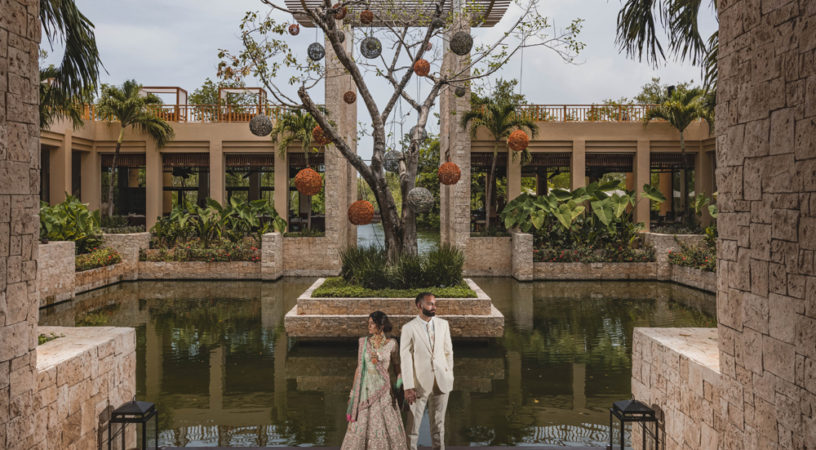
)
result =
(428, 368)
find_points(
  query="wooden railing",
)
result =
(585, 113)
(201, 113)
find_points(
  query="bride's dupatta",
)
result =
(359, 399)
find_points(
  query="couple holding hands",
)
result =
(422, 363)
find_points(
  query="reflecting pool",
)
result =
(216, 360)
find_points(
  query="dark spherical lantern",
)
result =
(371, 47)
(339, 11)
(391, 161)
(294, 29)
(420, 199)
(308, 182)
(518, 140)
(260, 125)
(349, 97)
(319, 138)
(461, 43)
(422, 133)
(366, 16)
(438, 22)
(316, 51)
(422, 67)
(361, 212)
(449, 173)
(460, 91)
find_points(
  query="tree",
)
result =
(683, 107)
(207, 94)
(498, 116)
(62, 87)
(131, 108)
(266, 55)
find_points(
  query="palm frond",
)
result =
(637, 32)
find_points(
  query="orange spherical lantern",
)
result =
(319, 138)
(294, 29)
(308, 182)
(422, 67)
(341, 11)
(449, 173)
(361, 212)
(349, 97)
(366, 17)
(518, 141)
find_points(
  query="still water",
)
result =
(373, 235)
(216, 360)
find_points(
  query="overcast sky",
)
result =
(175, 43)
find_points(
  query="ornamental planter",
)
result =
(449, 173)
(308, 182)
(361, 212)
(518, 141)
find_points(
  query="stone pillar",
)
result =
(60, 165)
(218, 360)
(92, 179)
(578, 165)
(281, 193)
(454, 140)
(271, 256)
(19, 226)
(522, 259)
(154, 183)
(704, 180)
(665, 182)
(642, 168)
(766, 177)
(513, 175)
(217, 171)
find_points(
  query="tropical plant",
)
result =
(71, 220)
(367, 267)
(100, 257)
(131, 108)
(498, 116)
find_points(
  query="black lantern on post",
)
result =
(134, 412)
(633, 411)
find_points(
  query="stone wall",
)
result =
(695, 278)
(310, 257)
(199, 270)
(663, 243)
(55, 271)
(676, 372)
(766, 178)
(488, 256)
(522, 259)
(83, 375)
(128, 246)
(19, 227)
(595, 271)
(103, 276)
(271, 256)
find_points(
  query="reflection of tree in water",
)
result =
(97, 317)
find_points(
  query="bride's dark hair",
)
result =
(381, 320)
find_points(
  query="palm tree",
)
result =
(131, 108)
(499, 118)
(683, 107)
(294, 126)
(78, 72)
(637, 33)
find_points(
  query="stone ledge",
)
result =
(595, 271)
(99, 277)
(199, 270)
(696, 278)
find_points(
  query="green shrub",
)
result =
(221, 250)
(43, 338)
(338, 287)
(702, 257)
(98, 257)
(444, 266)
(71, 221)
(368, 267)
(590, 254)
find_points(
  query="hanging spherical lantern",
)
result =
(260, 125)
(437, 22)
(449, 173)
(461, 43)
(349, 97)
(308, 182)
(319, 138)
(420, 199)
(391, 161)
(294, 29)
(518, 141)
(460, 91)
(316, 51)
(361, 212)
(422, 67)
(340, 11)
(428, 46)
(371, 47)
(422, 133)
(341, 37)
(366, 16)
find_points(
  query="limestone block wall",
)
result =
(199, 270)
(128, 246)
(695, 278)
(55, 272)
(663, 243)
(81, 377)
(766, 178)
(522, 259)
(103, 276)
(271, 256)
(676, 372)
(488, 256)
(595, 271)
(310, 257)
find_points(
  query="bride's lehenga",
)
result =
(374, 419)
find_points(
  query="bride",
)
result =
(372, 413)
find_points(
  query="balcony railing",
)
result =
(201, 113)
(585, 113)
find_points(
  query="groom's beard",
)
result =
(427, 313)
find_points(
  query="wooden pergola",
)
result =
(485, 13)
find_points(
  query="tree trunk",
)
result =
(488, 203)
(408, 182)
(114, 171)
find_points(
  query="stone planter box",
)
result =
(665, 242)
(595, 271)
(696, 278)
(101, 276)
(348, 317)
(55, 271)
(488, 256)
(310, 257)
(128, 246)
(199, 270)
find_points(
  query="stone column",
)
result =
(271, 256)
(92, 179)
(703, 180)
(19, 226)
(217, 172)
(454, 140)
(154, 183)
(513, 175)
(578, 165)
(60, 165)
(766, 177)
(642, 168)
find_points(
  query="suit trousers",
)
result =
(437, 403)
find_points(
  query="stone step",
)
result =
(390, 306)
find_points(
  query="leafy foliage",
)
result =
(71, 221)
(338, 287)
(99, 257)
(220, 250)
(702, 257)
(366, 267)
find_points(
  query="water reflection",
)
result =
(215, 358)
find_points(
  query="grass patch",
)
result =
(43, 338)
(337, 287)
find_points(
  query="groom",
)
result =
(426, 355)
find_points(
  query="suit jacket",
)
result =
(420, 366)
